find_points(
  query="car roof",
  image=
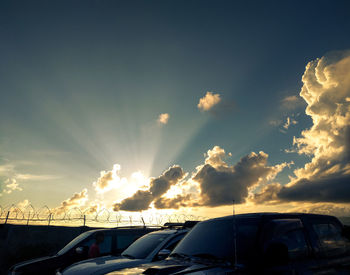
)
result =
(170, 231)
(167, 226)
(272, 215)
(153, 230)
(141, 228)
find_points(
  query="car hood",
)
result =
(174, 267)
(102, 265)
(36, 261)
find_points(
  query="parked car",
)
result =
(115, 241)
(264, 243)
(152, 247)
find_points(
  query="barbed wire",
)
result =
(75, 216)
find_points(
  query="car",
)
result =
(258, 243)
(115, 241)
(151, 247)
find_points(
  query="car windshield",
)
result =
(74, 242)
(214, 241)
(142, 247)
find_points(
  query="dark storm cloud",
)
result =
(139, 201)
(162, 184)
(222, 184)
(268, 194)
(174, 203)
(331, 189)
(158, 186)
(347, 145)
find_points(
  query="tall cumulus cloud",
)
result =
(326, 90)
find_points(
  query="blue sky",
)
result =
(82, 84)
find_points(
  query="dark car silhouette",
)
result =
(259, 243)
(115, 241)
(151, 247)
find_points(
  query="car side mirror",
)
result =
(79, 250)
(163, 254)
(276, 254)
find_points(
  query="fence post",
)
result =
(28, 219)
(49, 219)
(7, 216)
(84, 220)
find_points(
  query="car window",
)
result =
(246, 238)
(296, 244)
(74, 242)
(330, 238)
(145, 245)
(171, 244)
(216, 239)
(106, 245)
(87, 243)
(124, 240)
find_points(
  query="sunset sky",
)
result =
(175, 105)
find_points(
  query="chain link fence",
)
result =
(30, 215)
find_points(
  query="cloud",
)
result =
(328, 189)
(92, 209)
(214, 104)
(138, 202)
(174, 203)
(163, 118)
(183, 194)
(339, 210)
(292, 102)
(9, 172)
(160, 185)
(6, 168)
(326, 90)
(215, 157)
(35, 177)
(275, 123)
(289, 122)
(23, 204)
(77, 200)
(157, 187)
(108, 180)
(208, 101)
(268, 194)
(221, 184)
(215, 183)
(11, 185)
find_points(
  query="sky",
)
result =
(175, 106)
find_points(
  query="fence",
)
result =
(78, 217)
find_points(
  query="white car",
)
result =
(151, 247)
